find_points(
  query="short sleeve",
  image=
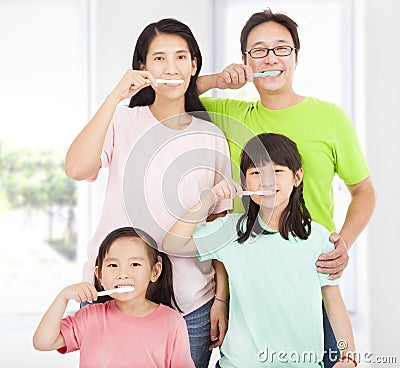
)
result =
(71, 330)
(221, 108)
(213, 104)
(181, 351)
(351, 165)
(213, 238)
(325, 247)
(106, 153)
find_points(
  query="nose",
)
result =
(271, 58)
(268, 179)
(122, 274)
(171, 67)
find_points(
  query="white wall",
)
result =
(382, 97)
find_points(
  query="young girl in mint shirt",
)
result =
(269, 252)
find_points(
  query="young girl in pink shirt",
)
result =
(136, 328)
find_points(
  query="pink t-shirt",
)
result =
(155, 175)
(106, 337)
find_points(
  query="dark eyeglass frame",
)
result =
(268, 50)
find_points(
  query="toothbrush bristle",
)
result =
(124, 289)
(266, 74)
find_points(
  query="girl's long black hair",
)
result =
(171, 26)
(280, 150)
(160, 291)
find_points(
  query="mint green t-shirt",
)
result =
(324, 135)
(275, 294)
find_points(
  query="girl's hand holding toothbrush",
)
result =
(82, 292)
(226, 189)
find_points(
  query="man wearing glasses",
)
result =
(323, 133)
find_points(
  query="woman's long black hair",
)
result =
(160, 291)
(171, 26)
(280, 150)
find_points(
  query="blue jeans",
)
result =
(198, 325)
(332, 353)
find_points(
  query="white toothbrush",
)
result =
(167, 81)
(258, 192)
(122, 289)
(266, 74)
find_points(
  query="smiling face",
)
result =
(169, 57)
(127, 263)
(274, 177)
(269, 35)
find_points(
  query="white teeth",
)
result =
(117, 289)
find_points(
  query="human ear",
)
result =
(141, 66)
(156, 272)
(298, 177)
(96, 272)
(194, 66)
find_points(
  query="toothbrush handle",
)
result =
(258, 192)
(106, 292)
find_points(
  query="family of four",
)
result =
(249, 281)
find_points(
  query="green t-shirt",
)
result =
(324, 135)
(275, 294)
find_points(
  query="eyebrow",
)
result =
(114, 259)
(176, 52)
